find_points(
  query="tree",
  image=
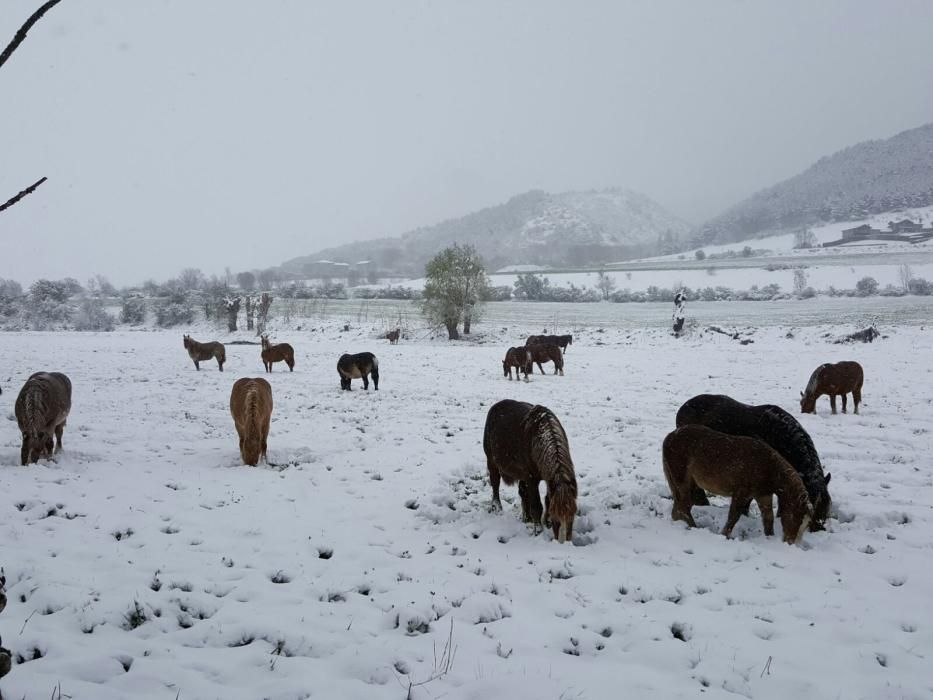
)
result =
(866, 287)
(700, 255)
(246, 280)
(268, 278)
(455, 286)
(800, 281)
(191, 278)
(531, 286)
(804, 238)
(18, 39)
(605, 284)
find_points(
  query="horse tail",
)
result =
(220, 352)
(252, 439)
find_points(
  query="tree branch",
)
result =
(20, 36)
(29, 190)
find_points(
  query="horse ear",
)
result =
(826, 480)
(801, 394)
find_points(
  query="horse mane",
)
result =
(797, 442)
(549, 447)
(35, 408)
(814, 381)
(252, 440)
(794, 490)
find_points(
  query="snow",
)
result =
(342, 571)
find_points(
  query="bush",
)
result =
(92, 317)
(867, 286)
(747, 252)
(700, 255)
(808, 293)
(501, 293)
(891, 291)
(174, 313)
(133, 311)
(920, 287)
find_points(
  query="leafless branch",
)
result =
(29, 190)
(20, 36)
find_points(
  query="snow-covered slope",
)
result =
(146, 562)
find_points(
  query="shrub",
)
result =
(867, 286)
(807, 293)
(700, 255)
(133, 311)
(91, 316)
(174, 313)
(920, 287)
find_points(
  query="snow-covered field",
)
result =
(146, 562)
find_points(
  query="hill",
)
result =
(571, 228)
(866, 179)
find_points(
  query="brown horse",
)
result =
(251, 407)
(737, 466)
(840, 378)
(545, 353)
(362, 365)
(393, 336)
(199, 352)
(527, 444)
(42, 409)
(277, 353)
(520, 359)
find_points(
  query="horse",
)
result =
(773, 426)
(251, 408)
(42, 409)
(199, 352)
(545, 353)
(358, 367)
(527, 444)
(840, 378)
(277, 353)
(737, 466)
(520, 359)
(562, 341)
(393, 336)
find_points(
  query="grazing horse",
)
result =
(199, 352)
(545, 353)
(840, 378)
(520, 359)
(251, 408)
(737, 466)
(42, 409)
(358, 367)
(277, 353)
(772, 425)
(527, 444)
(562, 341)
(393, 336)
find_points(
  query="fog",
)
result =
(222, 133)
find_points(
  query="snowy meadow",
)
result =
(145, 561)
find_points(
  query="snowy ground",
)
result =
(343, 571)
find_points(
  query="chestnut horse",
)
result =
(737, 466)
(277, 353)
(527, 444)
(199, 352)
(840, 378)
(545, 352)
(251, 408)
(393, 336)
(772, 425)
(42, 409)
(358, 366)
(520, 359)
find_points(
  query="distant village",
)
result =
(904, 231)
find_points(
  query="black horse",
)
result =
(359, 366)
(775, 427)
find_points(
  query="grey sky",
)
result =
(215, 133)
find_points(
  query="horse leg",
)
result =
(832, 402)
(857, 397)
(765, 505)
(845, 399)
(365, 382)
(197, 366)
(539, 367)
(494, 478)
(735, 512)
(59, 430)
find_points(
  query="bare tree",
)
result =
(18, 39)
(605, 284)
(262, 312)
(232, 307)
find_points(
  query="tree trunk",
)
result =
(452, 333)
(265, 302)
(233, 310)
(467, 319)
(250, 310)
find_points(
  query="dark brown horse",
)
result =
(281, 352)
(545, 353)
(359, 366)
(520, 359)
(42, 409)
(737, 466)
(772, 425)
(527, 444)
(840, 378)
(393, 336)
(561, 341)
(251, 408)
(199, 352)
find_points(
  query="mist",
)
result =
(218, 134)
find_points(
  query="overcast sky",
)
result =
(214, 133)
